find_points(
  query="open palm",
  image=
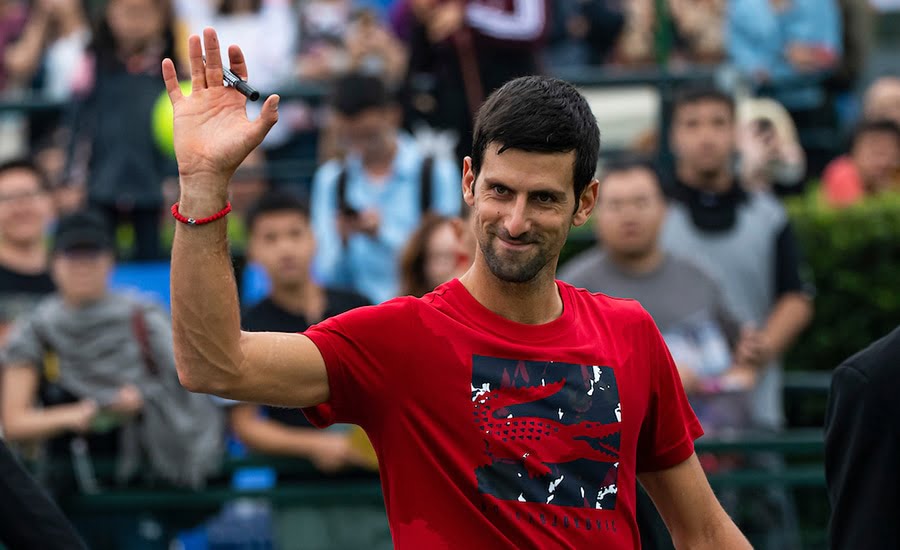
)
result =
(211, 131)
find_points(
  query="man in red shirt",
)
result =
(507, 409)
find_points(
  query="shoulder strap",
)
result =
(142, 335)
(342, 204)
(425, 184)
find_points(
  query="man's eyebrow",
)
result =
(555, 193)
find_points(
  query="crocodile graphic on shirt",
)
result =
(551, 431)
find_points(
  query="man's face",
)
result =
(703, 136)
(877, 157)
(25, 207)
(522, 209)
(630, 212)
(282, 242)
(82, 275)
(368, 134)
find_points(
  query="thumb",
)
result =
(267, 118)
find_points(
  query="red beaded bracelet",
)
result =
(194, 221)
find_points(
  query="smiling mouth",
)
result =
(514, 245)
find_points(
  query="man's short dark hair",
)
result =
(29, 166)
(539, 114)
(875, 127)
(272, 202)
(698, 94)
(355, 93)
(627, 164)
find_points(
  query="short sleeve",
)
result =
(23, 345)
(363, 351)
(670, 425)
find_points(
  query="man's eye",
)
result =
(544, 198)
(500, 190)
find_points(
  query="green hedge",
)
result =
(854, 255)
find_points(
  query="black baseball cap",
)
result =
(84, 230)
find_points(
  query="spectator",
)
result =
(695, 24)
(583, 32)
(101, 364)
(365, 207)
(373, 49)
(745, 241)
(53, 43)
(281, 241)
(463, 50)
(862, 448)
(26, 210)
(882, 100)
(685, 302)
(872, 167)
(772, 41)
(770, 155)
(437, 252)
(126, 169)
(13, 20)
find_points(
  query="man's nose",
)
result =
(517, 222)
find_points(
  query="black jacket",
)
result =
(28, 518)
(862, 448)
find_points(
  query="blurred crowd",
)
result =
(354, 198)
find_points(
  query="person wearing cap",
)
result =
(97, 366)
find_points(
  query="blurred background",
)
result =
(353, 199)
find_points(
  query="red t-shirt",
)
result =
(496, 434)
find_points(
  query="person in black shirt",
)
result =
(26, 209)
(282, 242)
(862, 448)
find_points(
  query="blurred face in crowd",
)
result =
(26, 208)
(877, 157)
(371, 134)
(523, 205)
(883, 100)
(135, 23)
(82, 274)
(703, 137)
(442, 252)
(283, 244)
(630, 212)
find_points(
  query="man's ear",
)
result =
(586, 203)
(468, 182)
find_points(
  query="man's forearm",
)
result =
(205, 312)
(720, 532)
(791, 314)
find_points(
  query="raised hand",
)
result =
(212, 133)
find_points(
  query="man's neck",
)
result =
(532, 303)
(28, 258)
(638, 265)
(381, 166)
(717, 183)
(305, 299)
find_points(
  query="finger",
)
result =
(198, 67)
(236, 62)
(267, 118)
(213, 59)
(171, 79)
